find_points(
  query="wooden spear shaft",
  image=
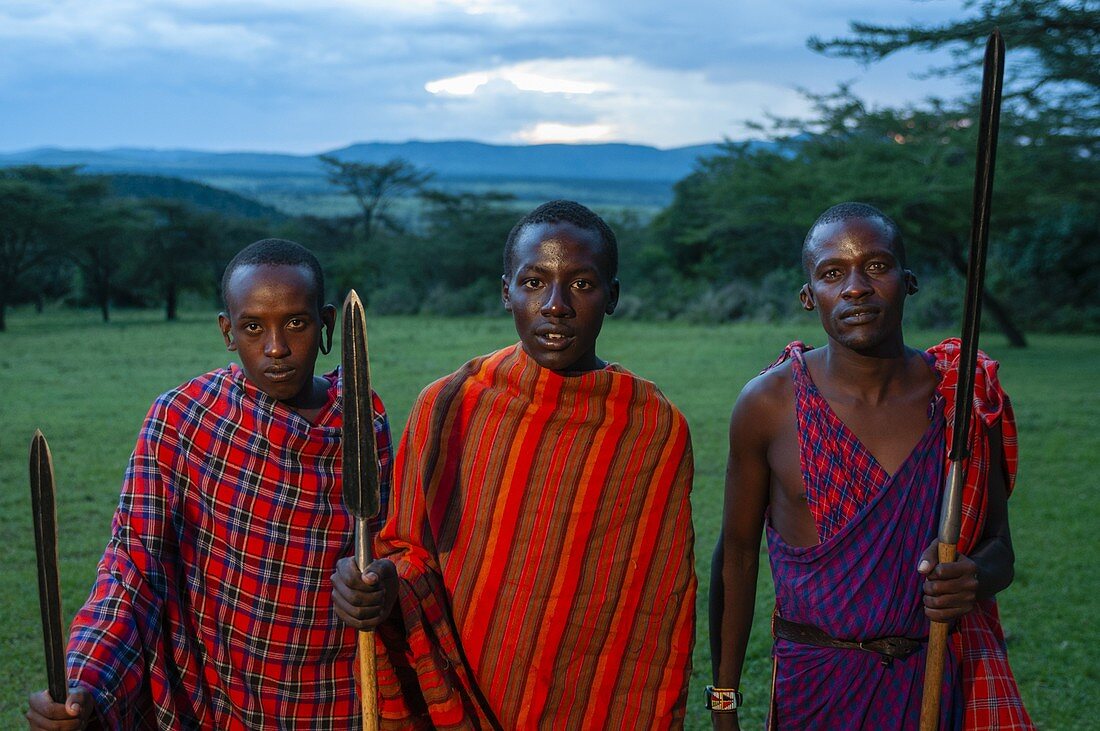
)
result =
(951, 509)
(360, 474)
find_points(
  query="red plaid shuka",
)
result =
(989, 690)
(212, 605)
(542, 531)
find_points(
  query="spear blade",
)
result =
(360, 461)
(44, 511)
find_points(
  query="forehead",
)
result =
(559, 244)
(269, 286)
(852, 237)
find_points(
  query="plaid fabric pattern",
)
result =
(989, 694)
(989, 689)
(860, 582)
(212, 604)
(541, 527)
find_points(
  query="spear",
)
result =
(951, 509)
(360, 474)
(44, 510)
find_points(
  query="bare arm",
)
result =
(737, 555)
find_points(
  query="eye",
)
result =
(252, 327)
(530, 283)
(877, 266)
(830, 274)
(583, 284)
(296, 323)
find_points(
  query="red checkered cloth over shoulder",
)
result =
(212, 605)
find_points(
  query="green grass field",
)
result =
(88, 385)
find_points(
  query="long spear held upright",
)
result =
(44, 510)
(360, 474)
(951, 510)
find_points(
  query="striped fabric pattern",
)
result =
(212, 604)
(541, 526)
(860, 582)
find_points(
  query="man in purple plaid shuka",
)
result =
(839, 454)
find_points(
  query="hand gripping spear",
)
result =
(44, 511)
(951, 510)
(360, 474)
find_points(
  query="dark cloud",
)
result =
(304, 76)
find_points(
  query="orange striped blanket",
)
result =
(541, 528)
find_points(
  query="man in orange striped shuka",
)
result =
(536, 569)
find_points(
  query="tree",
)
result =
(374, 187)
(1053, 46)
(28, 212)
(178, 243)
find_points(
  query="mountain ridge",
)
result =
(447, 159)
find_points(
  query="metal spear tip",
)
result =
(352, 300)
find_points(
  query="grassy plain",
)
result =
(88, 385)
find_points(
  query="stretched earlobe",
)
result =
(911, 286)
(226, 327)
(806, 295)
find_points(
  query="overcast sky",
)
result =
(306, 76)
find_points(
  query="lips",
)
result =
(279, 373)
(554, 337)
(858, 315)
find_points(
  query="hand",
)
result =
(73, 714)
(950, 589)
(363, 601)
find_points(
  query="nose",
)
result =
(557, 302)
(856, 285)
(275, 345)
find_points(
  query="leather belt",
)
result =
(889, 648)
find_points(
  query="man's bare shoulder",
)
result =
(764, 401)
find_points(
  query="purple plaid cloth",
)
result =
(860, 582)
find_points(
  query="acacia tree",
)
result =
(28, 212)
(374, 187)
(1051, 72)
(178, 243)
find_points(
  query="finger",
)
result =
(79, 703)
(929, 558)
(943, 615)
(357, 611)
(349, 572)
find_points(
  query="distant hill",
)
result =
(203, 197)
(449, 160)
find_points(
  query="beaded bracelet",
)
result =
(722, 700)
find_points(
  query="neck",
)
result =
(867, 376)
(312, 397)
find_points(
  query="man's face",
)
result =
(857, 284)
(274, 324)
(558, 294)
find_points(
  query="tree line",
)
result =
(726, 248)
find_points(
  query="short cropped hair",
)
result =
(847, 212)
(563, 211)
(275, 252)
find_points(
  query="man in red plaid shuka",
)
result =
(212, 606)
(840, 454)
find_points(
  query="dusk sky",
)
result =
(306, 76)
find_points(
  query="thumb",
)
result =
(78, 703)
(929, 558)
